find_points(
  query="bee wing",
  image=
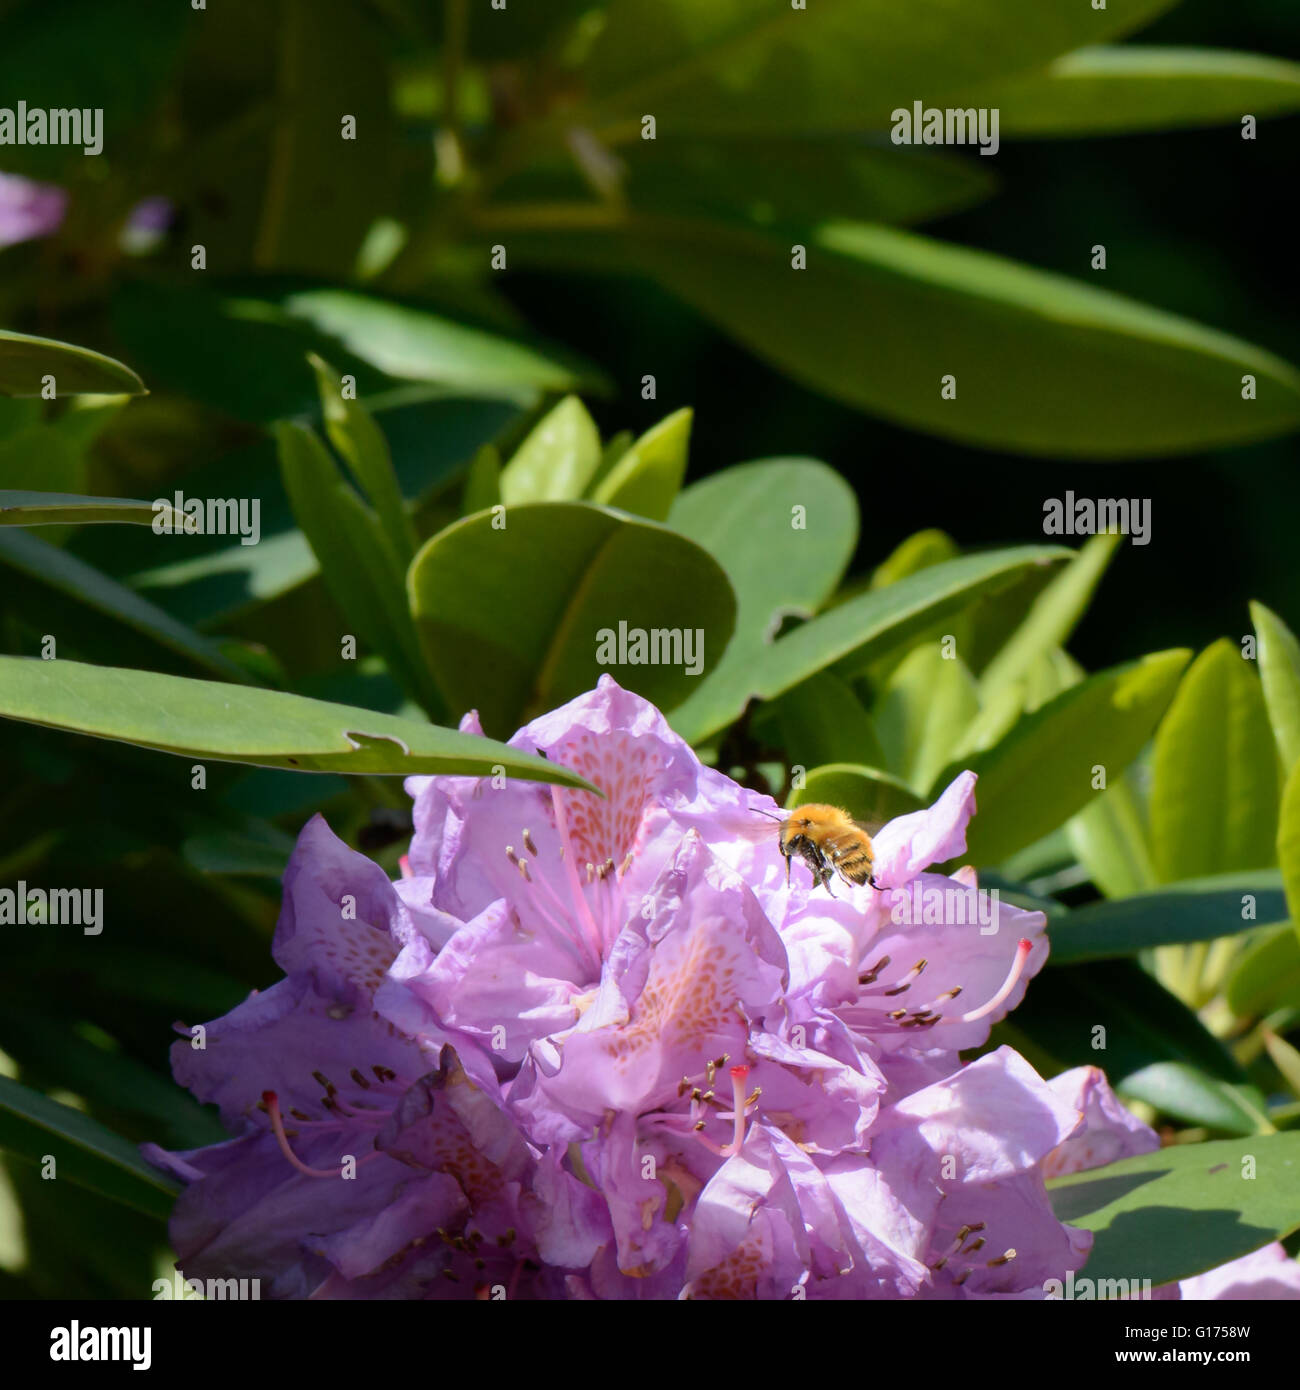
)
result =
(872, 827)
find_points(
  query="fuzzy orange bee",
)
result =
(830, 842)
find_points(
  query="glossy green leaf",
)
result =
(784, 530)
(77, 371)
(611, 451)
(822, 721)
(1285, 1058)
(1040, 364)
(838, 65)
(1214, 793)
(556, 462)
(56, 569)
(207, 579)
(647, 478)
(927, 702)
(86, 1153)
(867, 793)
(483, 481)
(1180, 1211)
(1047, 674)
(416, 344)
(228, 723)
(1100, 91)
(1041, 773)
(1193, 910)
(247, 344)
(361, 443)
(361, 568)
(848, 637)
(518, 618)
(1109, 839)
(1279, 672)
(1053, 617)
(1266, 976)
(58, 508)
(917, 552)
(1288, 843)
(1111, 1014)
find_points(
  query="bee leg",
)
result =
(787, 869)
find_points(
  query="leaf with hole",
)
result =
(268, 728)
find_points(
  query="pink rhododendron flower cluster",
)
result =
(601, 1048)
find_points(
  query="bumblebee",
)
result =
(830, 842)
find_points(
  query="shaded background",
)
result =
(1195, 222)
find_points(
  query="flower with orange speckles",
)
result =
(601, 1048)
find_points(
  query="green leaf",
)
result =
(1266, 976)
(1103, 91)
(1042, 364)
(866, 793)
(483, 482)
(1214, 792)
(1053, 617)
(784, 530)
(86, 1153)
(57, 508)
(1285, 1058)
(919, 551)
(516, 620)
(850, 636)
(555, 463)
(1109, 839)
(1279, 671)
(1288, 843)
(361, 443)
(822, 721)
(1193, 910)
(838, 65)
(611, 451)
(56, 569)
(431, 441)
(1180, 1211)
(648, 477)
(1041, 772)
(269, 330)
(361, 569)
(926, 703)
(228, 723)
(414, 344)
(77, 371)
(1153, 1047)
